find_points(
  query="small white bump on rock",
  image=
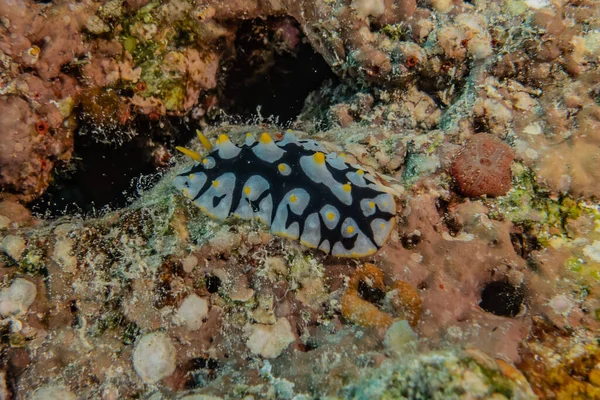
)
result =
(13, 246)
(201, 397)
(53, 392)
(223, 241)
(17, 298)
(63, 255)
(592, 251)
(269, 341)
(561, 304)
(154, 357)
(192, 311)
(399, 337)
(189, 263)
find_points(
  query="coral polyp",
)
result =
(41, 127)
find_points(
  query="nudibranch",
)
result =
(296, 188)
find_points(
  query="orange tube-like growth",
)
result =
(405, 301)
(360, 311)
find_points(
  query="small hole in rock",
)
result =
(371, 294)
(213, 283)
(410, 241)
(502, 298)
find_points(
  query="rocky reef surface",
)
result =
(482, 118)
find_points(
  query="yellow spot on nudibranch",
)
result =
(319, 158)
(372, 204)
(190, 153)
(265, 138)
(222, 139)
(191, 176)
(343, 155)
(382, 226)
(330, 216)
(247, 190)
(204, 140)
(293, 198)
(350, 229)
(215, 183)
(360, 172)
(347, 187)
(205, 161)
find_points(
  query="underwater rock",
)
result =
(154, 357)
(27, 149)
(53, 392)
(17, 298)
(269, 341)
(13, 246)
(442, 375)
(192, 311)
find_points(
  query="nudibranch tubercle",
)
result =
(294, 187)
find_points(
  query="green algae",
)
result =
(150, 36)
(32, 262)
(530, 205)
(396, 32)
(418, 165)
(440, 375)
(586, 271)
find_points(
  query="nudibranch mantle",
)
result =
(294, 187)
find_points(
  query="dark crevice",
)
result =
(502, 298)
(117, 152)
(109, 173)
(275, 69)
(524, 243)
(213, 283)
(371, 294)
(410, 240)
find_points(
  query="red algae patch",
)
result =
(483, 167)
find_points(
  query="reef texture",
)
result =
(156, 298)
(521, 71)
(481, 118)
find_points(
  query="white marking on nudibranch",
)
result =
(267, 150)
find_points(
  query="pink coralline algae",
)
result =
(483, 167)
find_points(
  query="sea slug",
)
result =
(294, 187)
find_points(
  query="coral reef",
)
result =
(159, 281)
(442, 376)
(158, 60)
(514, 69)
(562, 365)
(481, 118)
